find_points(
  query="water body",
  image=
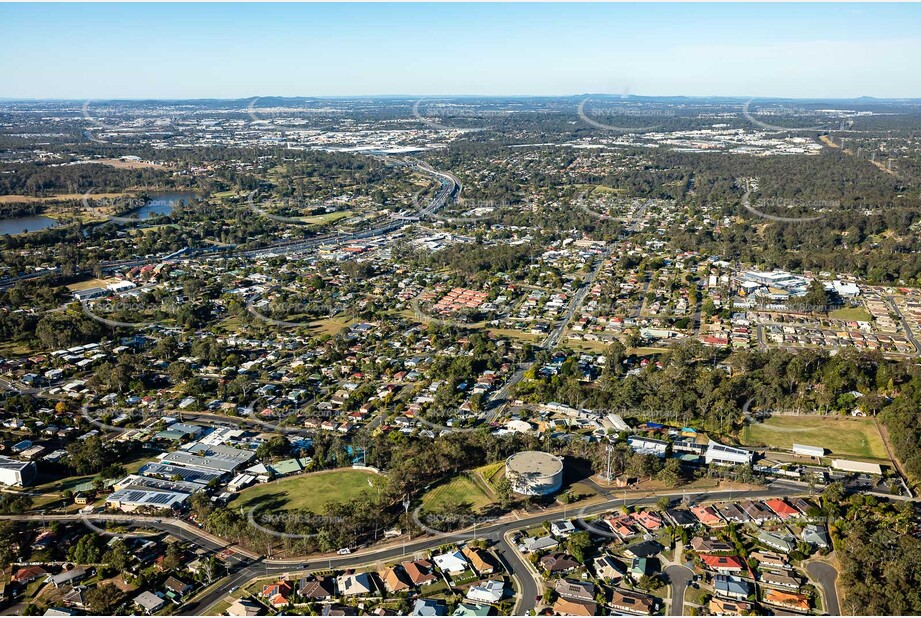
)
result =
(19, 225)
(158, 205)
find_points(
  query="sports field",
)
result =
(309, 491)
(850, 437)
(459, 490)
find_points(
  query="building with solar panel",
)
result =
(140, 498)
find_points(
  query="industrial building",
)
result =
(534, 473)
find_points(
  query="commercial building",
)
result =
(726, 455)
(131, 499)
(16, 473)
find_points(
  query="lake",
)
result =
(158, 205)
(19, 225)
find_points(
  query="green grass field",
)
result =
(309, 491)
(858, 314)
(459, 490)
(491, 473)
(853, 437)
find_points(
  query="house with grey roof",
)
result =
(149, 602)
(816, 535)
(784, 543)
(731, 586)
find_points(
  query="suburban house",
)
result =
(731, 586)
(816, 535)
(608, 568)
(570, 607)
(562, 528)
(726, 607)
(722, 564)
(781, 580)
(453, 562)
(710, 545)
(770, 559)
(681, 517)
(790, 600)
(783, 510)
(278, 594)
(396, 580)
(419, 572)
(779, 542)
(758, 513)
(707, 515)
(482, 562)
(581, 591)
(428, 607)
(149, 603)
(633, 603)
(559, 563)
(489, 591)
(244, 607)
(532, 544)
(316, 588)
(354, 584)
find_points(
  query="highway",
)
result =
(450, 188)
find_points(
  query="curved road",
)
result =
(679, 577)
(826, 575)
(266, 568)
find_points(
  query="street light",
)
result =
(406, 503)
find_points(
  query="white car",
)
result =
(344, 551)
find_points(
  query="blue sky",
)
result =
(84, 51)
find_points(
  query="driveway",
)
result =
(679, 577)
(825, 574)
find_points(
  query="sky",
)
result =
(178, 51)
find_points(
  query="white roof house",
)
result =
(453, 562)
(354, 584)
(490, 591)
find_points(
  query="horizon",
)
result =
(190, 51)
(420, 97)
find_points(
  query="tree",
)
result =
(816, 298)
(118, 556)
(579, 544)
(173, 559)
(88, 550)
(9, 541)
(104, 599)
(672, 474)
